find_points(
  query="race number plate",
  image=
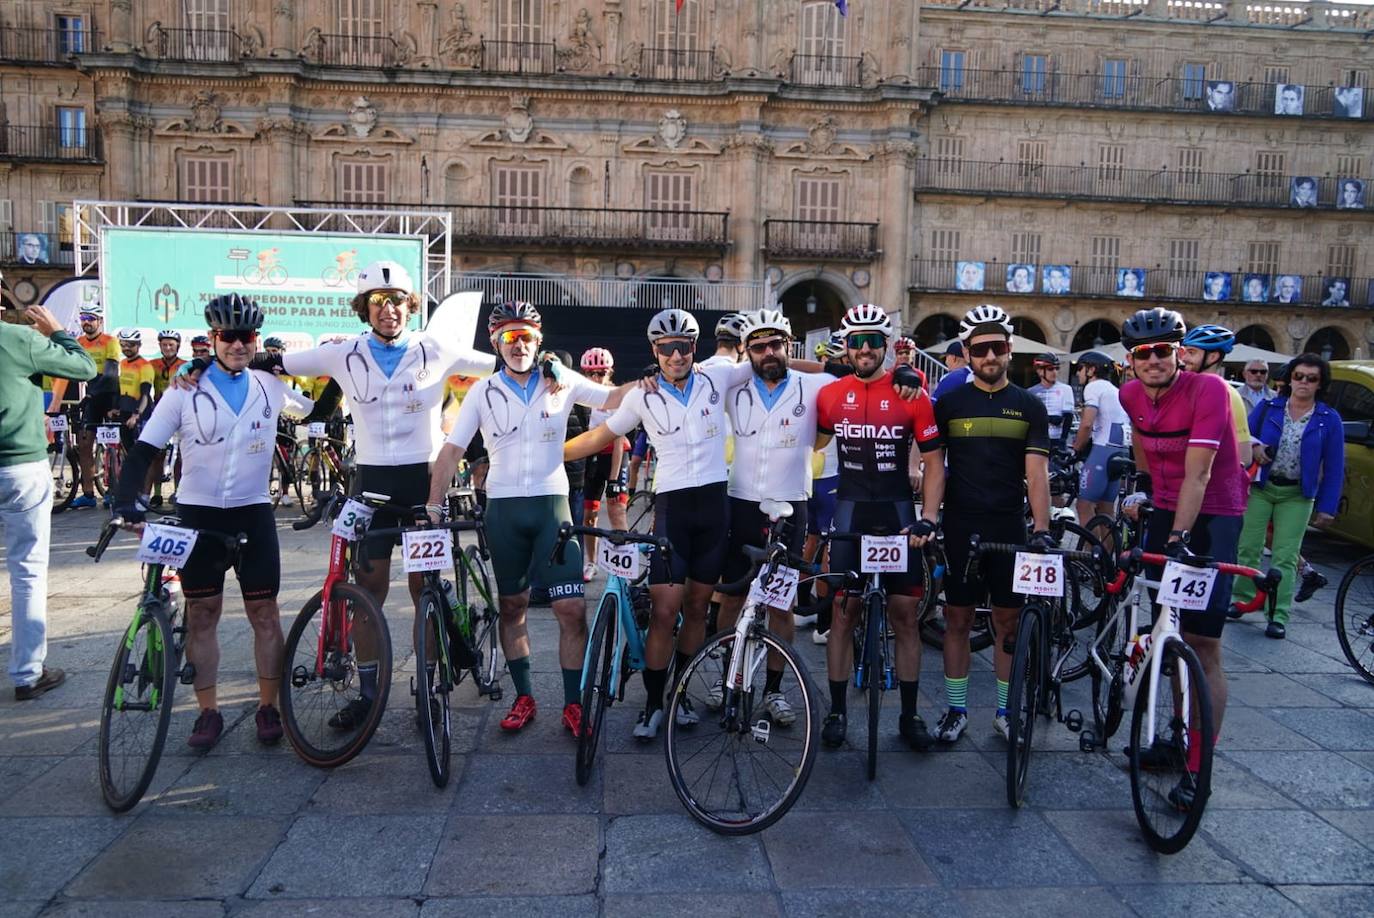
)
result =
(780, 592)
(883, 554)
(353, 513)
(108, 434)
(620, 560)
(169, 546)
(427, 550)
(1038, 575)
(1185, 587)
(57, 424)
(315, 429)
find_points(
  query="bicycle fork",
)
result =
(742, 669)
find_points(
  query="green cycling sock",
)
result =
(1002, 689)
(956, 693)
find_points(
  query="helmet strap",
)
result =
(389, 338)
(223, 366)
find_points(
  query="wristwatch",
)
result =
(1181, 535)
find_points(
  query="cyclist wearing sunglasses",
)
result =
(607, 470)
(522, 414)
(996, 435)
(1057, 396)
(875, 426)
(683, 413)
(100, 393)
(228, 425)
(1184, 438)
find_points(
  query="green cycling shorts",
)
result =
(520, 533)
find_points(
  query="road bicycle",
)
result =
(455, 632)
(615, 642)
(283, 475)
(325, 466)
(136, 711)
(336, 668)
(63, 459)
(743, 766)
(1159, 677)
(1355, 616)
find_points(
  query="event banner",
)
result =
(157, 278)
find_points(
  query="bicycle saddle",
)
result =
(775, 509)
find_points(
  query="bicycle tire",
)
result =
(156, 670)
(1150, 804)
(275, 477)
(474, 591)
(1101, 525)
(304, 721)
(1023, 699)
(1108, 693)
(639, 514)
(433, 683)
(596, 684)
(873, 638)
(791, 749)
(1360, 619)
(67, 484)
(1088, 601)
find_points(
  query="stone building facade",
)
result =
(845, 158)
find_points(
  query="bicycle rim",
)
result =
(137, 709)
(639, 515)
(316, 689)
(596, 684)
(1107, 692)
(1027, 669)
(474, 591)
(1167, 826)
(738, 771)
(1355, 616)
(873, 663)
(432, 685)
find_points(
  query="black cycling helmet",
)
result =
(232, 312)
(1095, 359)
(1046, 360)
(1152, 325)
(513, 311)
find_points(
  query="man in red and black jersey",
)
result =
(874, 428)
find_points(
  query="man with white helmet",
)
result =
(875, 428)
(135, 387)
(684, 417)
(100, 396)
(606, 471)
(728, 341)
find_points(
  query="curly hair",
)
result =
(359, 304)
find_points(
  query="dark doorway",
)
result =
(812, 304)
(1095, 334)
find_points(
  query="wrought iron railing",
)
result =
(45, 46)
(676, 64)
(45, 142)
(519, 56)
(826, 70)
(823, 240)
(339, 50)
(197, 45)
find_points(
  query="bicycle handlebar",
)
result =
(774, 554)
(1266, 582)
(322, 508)
(615, 536)
(107, 533)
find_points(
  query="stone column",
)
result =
(283, 36)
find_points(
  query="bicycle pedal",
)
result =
(494, 694)
(188, 673)
(1074, 721)
(1087, 741)
(761, 732)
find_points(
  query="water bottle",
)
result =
(171, 589)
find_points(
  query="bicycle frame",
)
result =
(629, 639)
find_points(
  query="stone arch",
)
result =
(833, 294)
(1095, 333)
(1329, 341)
(1028, 328)
(1257, 335)
(935, 330)
(581, 186)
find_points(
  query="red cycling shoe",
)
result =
(572, 718)
(521, 713)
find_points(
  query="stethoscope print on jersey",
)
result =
(210, 439)
(362, 394)
(501, 422)
(745, 421)
(662, 423)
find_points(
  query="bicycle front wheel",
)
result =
(874, 626)
(1355, 616)
(1169, 791)
(335, 687)
(137, 709)
(1027, 673)
(745, 764)
(474, 592)
(596, 683)
(433, 683)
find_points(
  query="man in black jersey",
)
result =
(996, 437)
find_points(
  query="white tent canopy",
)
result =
(1242, 353)
(1019, 345)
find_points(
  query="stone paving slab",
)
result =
(30, 870)
(348, 856)
(558, 855)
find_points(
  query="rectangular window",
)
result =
(1340, 260)
(6, 216)
(952, 71)
(1262, 258)
(944, 245)
(1035, 70)
(516, 192)
(1357, 78)
(362, 183)
(71, 129)
(1349, 165)
(1114, 77)
(668, 196)
(819, 60)
(47, 216)
(208, 35)
(1030, 158)
(676, 27)
(949, 155)
(1194, 78)
(1269, 169)
(818, 200)
(1106, 251)
(1275, 74)
(1189, 165)
(71, 34)
(1183, 256)
(1111, 162)
(1025, 248)
(362, 35)
(206, 179)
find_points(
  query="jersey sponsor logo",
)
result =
(1010, 413)
(850, 397)
(885, 405)
(850, 430)
(930, 431)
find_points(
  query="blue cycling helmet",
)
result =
(1210, 338)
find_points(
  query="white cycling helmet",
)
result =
(984, 320)
(93, 308)
(385, 275)
(866, 317)
(130, 334)
(764, 321)
(731, 326)
(673, 323)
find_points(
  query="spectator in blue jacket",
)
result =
(1301, 451)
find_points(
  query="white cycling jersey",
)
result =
(1058, 400)
(1111, 424)
(396, 417)
(774, 436)
(226, 456)
(523, 429)
(719, 360)
(688, 429)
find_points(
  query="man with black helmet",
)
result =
(227, 424)
(1104, 432)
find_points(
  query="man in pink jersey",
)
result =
(1183, 437)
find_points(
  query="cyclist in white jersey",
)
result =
(684, 417)
(1057, 396)
(228, 428)
(728, 348)
(606, 471)
(523, 416)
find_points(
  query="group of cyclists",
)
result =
(854, 441)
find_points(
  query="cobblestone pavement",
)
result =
(252, 831)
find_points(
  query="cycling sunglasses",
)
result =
(519, 334)
(763, 347)
(674, 347)
(382, 299)
(984, 348)
(1161, 349)
(237, 336)
(859, 340)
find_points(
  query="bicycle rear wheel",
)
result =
(1355, 616)
(327, 712)
(1159, 783)
(433, 683)
(596, 683)
(739, 771)
(474, 592)
(137, 709)
(874, 625)
(1108, 692)
(66, 479)
(1023, 700)
(639, 515)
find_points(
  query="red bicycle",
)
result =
(336, 671)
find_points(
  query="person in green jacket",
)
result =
(26, 356)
